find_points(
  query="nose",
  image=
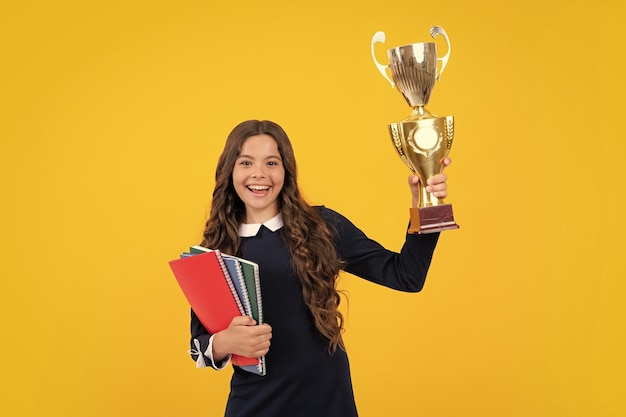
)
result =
(258, 174)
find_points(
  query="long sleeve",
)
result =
(366, 258)
(201, 349)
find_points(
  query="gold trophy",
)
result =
(423, 139)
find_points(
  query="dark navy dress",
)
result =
(303, 379)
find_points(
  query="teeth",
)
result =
(258, 187)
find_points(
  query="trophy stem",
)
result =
(419, 112)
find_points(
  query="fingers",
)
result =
(262, 330)
(437, 185)
(439, 191)
(436, 180)
(446, 161)
(257, 341)
(242, 321)
(414, 179)
(247, 339)
(263, 340)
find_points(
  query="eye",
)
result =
(245, 162)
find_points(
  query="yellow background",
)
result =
(113, 115)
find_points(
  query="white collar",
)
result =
(249, 230)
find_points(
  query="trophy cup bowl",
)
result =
(422, 140)
(414, 71)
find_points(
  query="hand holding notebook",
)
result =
(218, 290)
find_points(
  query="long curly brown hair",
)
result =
(307, 235)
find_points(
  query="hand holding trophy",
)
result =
(423, 139)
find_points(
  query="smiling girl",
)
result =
(258, 213)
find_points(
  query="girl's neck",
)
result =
(258, 218)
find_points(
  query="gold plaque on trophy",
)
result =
(423, 140)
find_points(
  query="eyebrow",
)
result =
(251, 157)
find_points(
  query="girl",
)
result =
(259, 214)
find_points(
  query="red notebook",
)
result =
(206, 284)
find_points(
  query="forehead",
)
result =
(260, 145)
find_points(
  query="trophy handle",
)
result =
(434, 31)
(380, 37)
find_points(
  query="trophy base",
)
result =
(432, 219)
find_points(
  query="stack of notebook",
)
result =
(218, 288)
